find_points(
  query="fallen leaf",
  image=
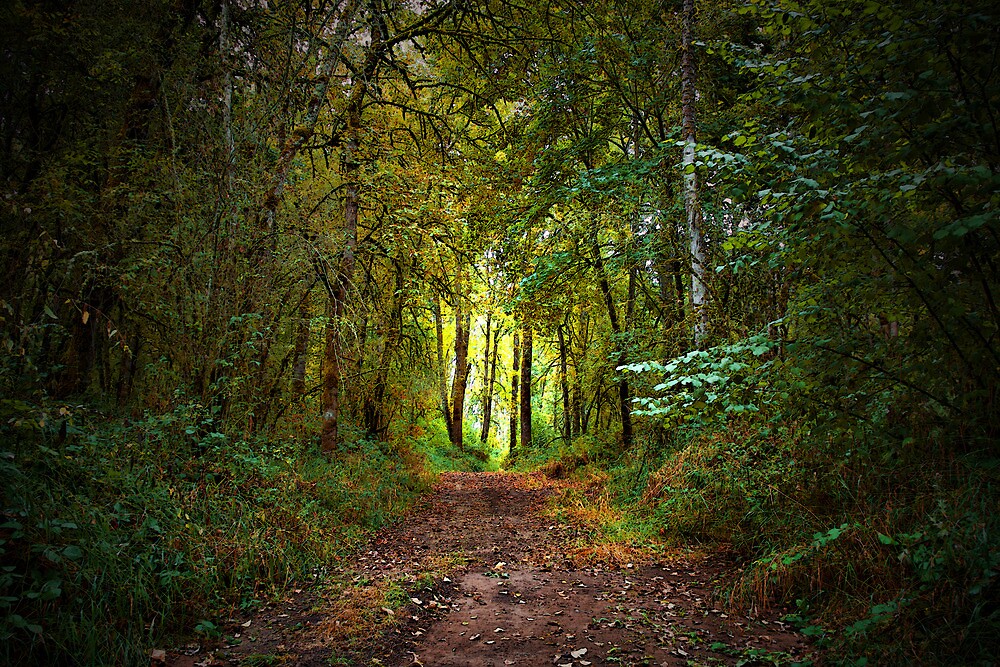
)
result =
(474, 637)
(247, 624)
(578, 653)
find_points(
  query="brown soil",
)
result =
(482, 574)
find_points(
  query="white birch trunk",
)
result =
(692, 207)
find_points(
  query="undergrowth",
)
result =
(116, 535)
(430, 438)
(887, 551)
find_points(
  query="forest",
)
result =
(722, 270)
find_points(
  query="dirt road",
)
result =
(483, 575)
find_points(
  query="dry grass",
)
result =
(609, 535)
(613, 555)
(672, 473)
(359, 611)
(356, 611)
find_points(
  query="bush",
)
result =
(895, 560)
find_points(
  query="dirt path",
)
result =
(482, 575)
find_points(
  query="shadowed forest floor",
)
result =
(482, 574)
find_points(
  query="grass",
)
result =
(430, 439)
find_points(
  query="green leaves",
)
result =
(822, 539)
(704, 385)
(963, 226)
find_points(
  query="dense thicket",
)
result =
(294, 255)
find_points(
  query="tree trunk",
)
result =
(663, 283)
(442, 367)
(490, 371)
(567, 428)
(515, 378)
(526, 387)
(333, 357)
(331, 379)
(304, 132)
(692, 207)
(227, 95)
(78, 361)
(376, 419)
(579, 425)
(624, 395)
(129, 367)
(462, 323)
(679, 289)
(579, 420)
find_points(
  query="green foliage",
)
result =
(706, 385)
(430, 439)
(115, 535)
(834, 551)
